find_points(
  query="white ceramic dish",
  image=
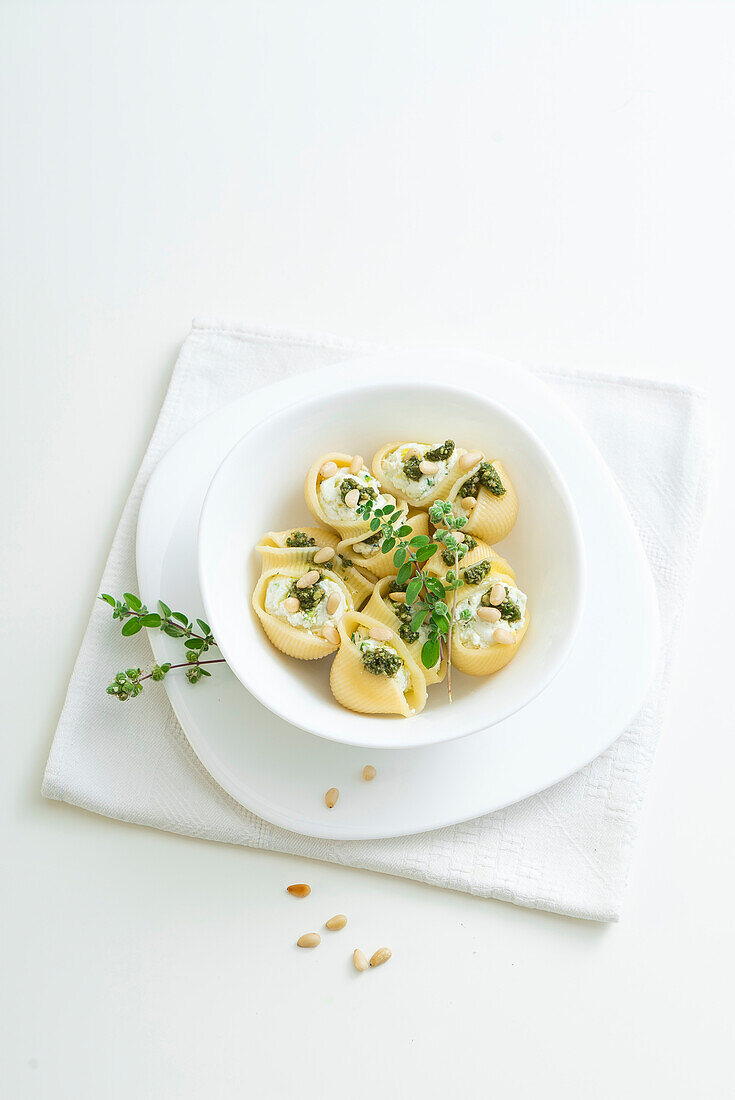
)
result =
(279, 772)
(259, 487)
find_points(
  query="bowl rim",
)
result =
(579, 580)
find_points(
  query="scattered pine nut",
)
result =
(328, 469)
(331, 797)
(291, 605)
(359, 960)
(333, 603)
(503, 637)
(309, 939)
(381, 633)
(308, 579)
(325, 554)
(469, 460)
(334, 924)
(299, 890)
(368, 773)
(429, 468)
(381, 956)
(497, 594)
(398, 597)
(468, 503)
(357, 464)
(352, 499)
(489, 614)
(331, 634)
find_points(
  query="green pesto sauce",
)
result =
(486, 475)
(442, 453)
(366, 491)
(309, 598)
(300, 538)
(476, 573)
(381, 662)
(412, 468)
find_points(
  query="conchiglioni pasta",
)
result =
(375, 675)
(477, 551)
(325, 495)
(365, 549)
(398, 617)
(496, 507)
(397, 466)
(301, 633)
(298, 546)
(477, 648)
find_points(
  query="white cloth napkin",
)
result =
(566, 849)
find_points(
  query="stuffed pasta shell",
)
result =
(490, 619)
(475, 551)
(419, 472)
(336, 485)
(485, 494)
(373, 672)
(313, 546)
(300, 609)
(388, 605)
(365, 550)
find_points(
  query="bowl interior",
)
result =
(259, 488)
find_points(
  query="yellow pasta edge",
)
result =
(300, 644)
(359, 690)
(441, 492)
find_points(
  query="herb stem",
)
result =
(188, 664)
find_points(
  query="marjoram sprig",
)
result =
(134, 615)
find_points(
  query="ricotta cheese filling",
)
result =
(417, 490)
(330, 496)
(279, 589)
(477, 633)
(401, 676)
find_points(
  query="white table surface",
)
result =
(550, 182)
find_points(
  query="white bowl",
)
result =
(259, 488)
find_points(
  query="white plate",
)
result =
(240, 506)
(280, 772)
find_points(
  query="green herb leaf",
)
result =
(425, 552)
(420, 540)
(164, 609)
(194, 643)
(404, 531)
(388, 545)
(180, 617)
(152, 620)
(413, 590)
(404, 573)
(203, 626)
(132, 601)
(132, 626)
(374, 524)
(430, 652)
(172, 631)
(108, 599)
(420, 617)
(400, 555)
(435, 586)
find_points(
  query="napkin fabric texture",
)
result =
(567, 849)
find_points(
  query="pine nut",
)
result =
(381, 633)
(459, 536)
(352, 499)
(309, 939)
(333, 603)
(331, 634)
(469, 460)
(410, 453)
(429, 468)
(357, 464)
(468, 503)
(398, 597)
(331, 797)
(368, 773)
(381, 956)
(308, 579)
(328, 469)
(489, 614)
(359, 961)
(334, 924)
(299, 890)
(291, 605)
(497, 594)
(325, 554)
(503, 636)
